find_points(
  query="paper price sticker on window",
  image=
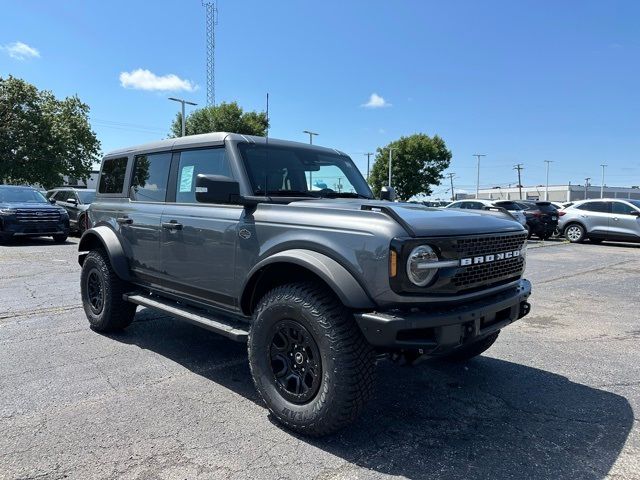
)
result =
(186, 179)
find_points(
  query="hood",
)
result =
(421, 221)
(30, 205)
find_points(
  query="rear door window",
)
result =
(602, 207)
(150, 177)
(112, 175)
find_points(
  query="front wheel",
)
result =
(60, 238)
(472, 350)
(309, 361)
(574, 233)
(101, 290)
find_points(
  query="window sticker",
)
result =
(186, 178)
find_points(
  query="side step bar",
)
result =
(216, 323)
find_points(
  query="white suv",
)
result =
(604, 219)
(479, 204)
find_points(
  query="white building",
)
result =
(557, 193)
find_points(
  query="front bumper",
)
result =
(34, 229)
(441, 329)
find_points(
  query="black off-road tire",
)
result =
(466, 353)
(575, 233)
(347, 361)
(114, 313)
(60, 238)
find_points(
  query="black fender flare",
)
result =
(106, 238)
(337, 277)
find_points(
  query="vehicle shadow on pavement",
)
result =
(33, 242)
(489, 418)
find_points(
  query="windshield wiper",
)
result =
(344, 195)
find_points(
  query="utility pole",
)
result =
(391, 149)
(453, 196)
(184, 120)
(311, 134)
(368, 161)
(519, 168)
(602, 184)
(586, 186)
(478, 156)
(546, 190)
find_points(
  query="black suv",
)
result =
(542, 218)
(25, 212)
(75, 201)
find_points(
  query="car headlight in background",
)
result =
(420, 268)
(7, 211)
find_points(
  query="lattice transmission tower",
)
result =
(211, 15)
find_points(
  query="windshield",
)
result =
(86, 196)
(21, 195)
(301, 172)
(509, 205)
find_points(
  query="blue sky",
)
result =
(522, 82)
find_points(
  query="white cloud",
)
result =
(142, 79)
(20, 51)
(376, 101)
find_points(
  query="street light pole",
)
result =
(368, 162)
(546, 190)
(311, 134)
(182, 101)
(478, 156)
(586, 187)
(602, 184)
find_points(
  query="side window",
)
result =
(602, 207)
(620, 208)
(150, 177)
(209, 161)
(112, 176)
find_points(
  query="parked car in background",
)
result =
(75, 201)
(25, 212)
(604, 219)
(542, 217)
(479, 204)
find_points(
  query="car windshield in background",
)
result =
(301, 172)
(86, 197)
(21, 195)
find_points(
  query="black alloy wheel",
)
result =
(95, 291)
(295, 361)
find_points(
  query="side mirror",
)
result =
(387, 193)
(217, 189)
(72, 201)
(52, 201)
(635, 213)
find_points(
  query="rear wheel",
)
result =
(102, 291)
(472, 350)
(309, 361)
(574, 233)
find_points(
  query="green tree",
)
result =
(418, 163)
(226, 117)
(43, 138)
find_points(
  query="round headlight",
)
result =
(419, 268)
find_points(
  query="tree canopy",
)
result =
(225, 117)
(43, 138)
(417, 163)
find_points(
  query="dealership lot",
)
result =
(557, 397)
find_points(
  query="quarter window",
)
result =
(209, 161)
(112, 176)
(150, 177)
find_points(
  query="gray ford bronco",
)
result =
(282, 245)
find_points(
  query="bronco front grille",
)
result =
(484, 273)
(37, 215)
(469, 247)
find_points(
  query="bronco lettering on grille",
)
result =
(488, 258)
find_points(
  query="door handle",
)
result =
(616, 218)
(172, 225)
(124, 220)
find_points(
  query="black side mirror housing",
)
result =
(635, 213)
(217, 189)
(72, 201)
(52, 201)
(388, 193)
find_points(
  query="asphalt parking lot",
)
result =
(558, 396)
